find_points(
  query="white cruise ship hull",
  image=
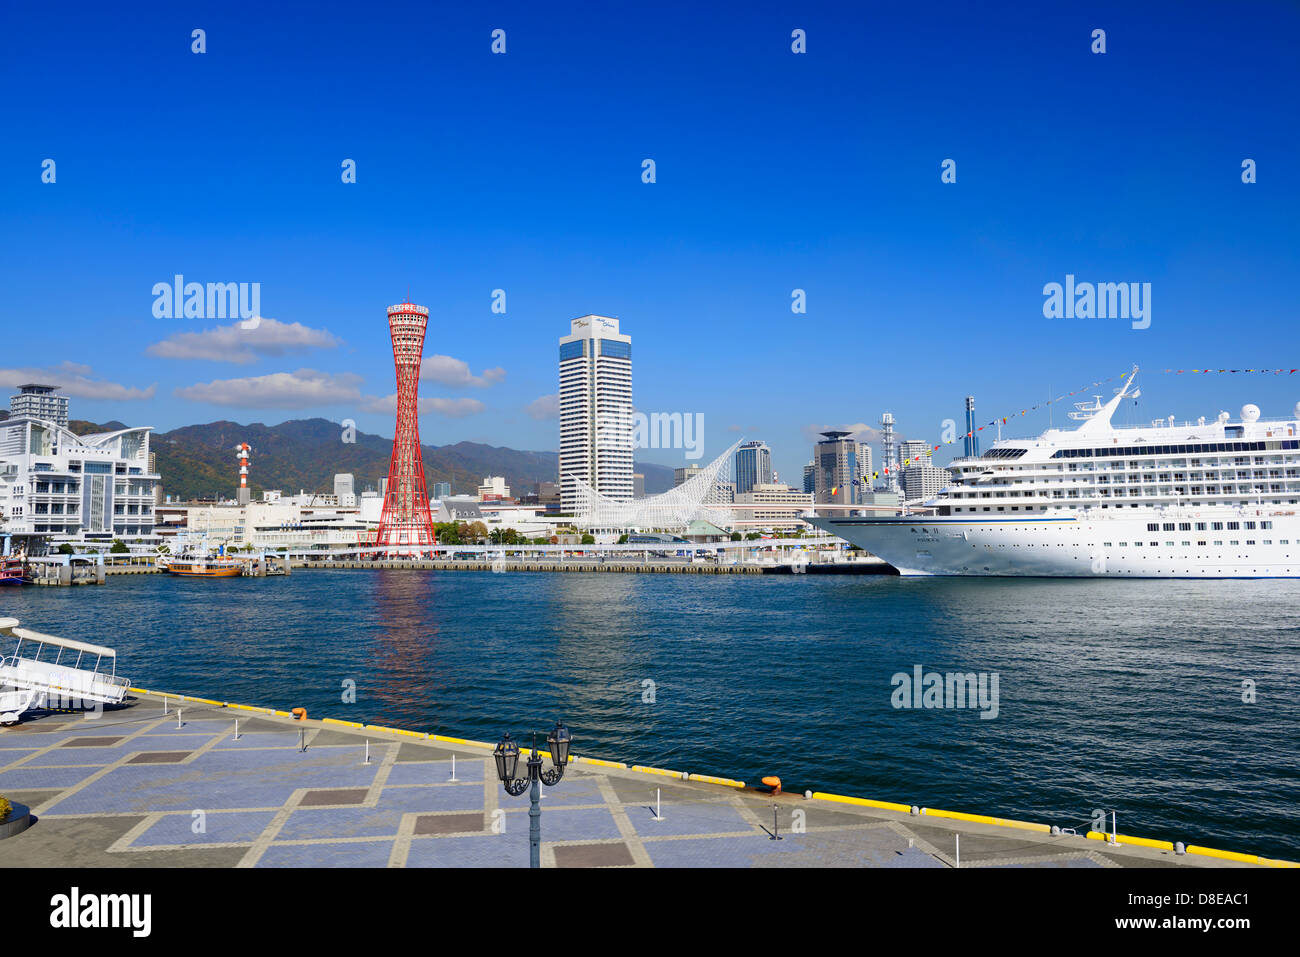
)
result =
(1083, 544)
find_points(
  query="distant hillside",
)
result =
(199, 461)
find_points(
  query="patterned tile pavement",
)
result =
(137, 786)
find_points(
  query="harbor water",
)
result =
(1174, 703)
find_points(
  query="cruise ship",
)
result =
(1216, 499)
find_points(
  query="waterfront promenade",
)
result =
(140, 787)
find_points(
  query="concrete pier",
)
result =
(140, 787)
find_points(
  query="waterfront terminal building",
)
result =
(75, 487)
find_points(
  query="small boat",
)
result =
(211, 566)
(11, 570)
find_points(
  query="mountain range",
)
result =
(198, 461)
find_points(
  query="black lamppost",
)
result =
(507, 758)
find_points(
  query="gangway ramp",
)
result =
(77, 674)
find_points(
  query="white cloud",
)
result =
(73, 379)
(452, 408)
(544, 407)
(446, 370)
(243, 344)
(282, 390)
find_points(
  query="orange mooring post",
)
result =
(774, 783)
(299, 713)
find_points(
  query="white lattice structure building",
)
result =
(675, 509)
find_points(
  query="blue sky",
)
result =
(775, 171)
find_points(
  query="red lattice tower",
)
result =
(406, 527)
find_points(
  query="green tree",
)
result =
(753, 536)
(588, 540)
(735, 536)
(66, 549)
(118, 548)
(622, 539)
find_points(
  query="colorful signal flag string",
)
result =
(1066, 395)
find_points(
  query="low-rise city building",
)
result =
(774, 495)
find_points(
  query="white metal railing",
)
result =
(62, 681)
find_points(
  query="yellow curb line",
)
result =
(249, 707)
(346, 724)
(660, 771)
(710, 779)
(473, 744)
(600, 762)
(863, 802)
(986, 819)
(1223, 855)
(1135, 841)
(401, 731)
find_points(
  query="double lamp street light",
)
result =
(507, 759)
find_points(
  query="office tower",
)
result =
(441, 490)
(406, 524)
(972, 443)
(864, 467)
(40, 402)
(922, 481)
(836, 460)
(753, 466)
(912, 451)
(810, 477)
(595, 410)
(638, 485)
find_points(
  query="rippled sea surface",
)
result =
(1114, 694)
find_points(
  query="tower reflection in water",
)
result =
(470, 654)
(405, 678)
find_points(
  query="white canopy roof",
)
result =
(28, 635)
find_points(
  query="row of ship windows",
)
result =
(1233, 541)
(1120, 465)
(1036, 508)
(1249, 490)
(1200, 526)
(1195, 447)
(1150, 475)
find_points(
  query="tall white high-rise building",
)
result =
(864, 467)
(595, 410)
